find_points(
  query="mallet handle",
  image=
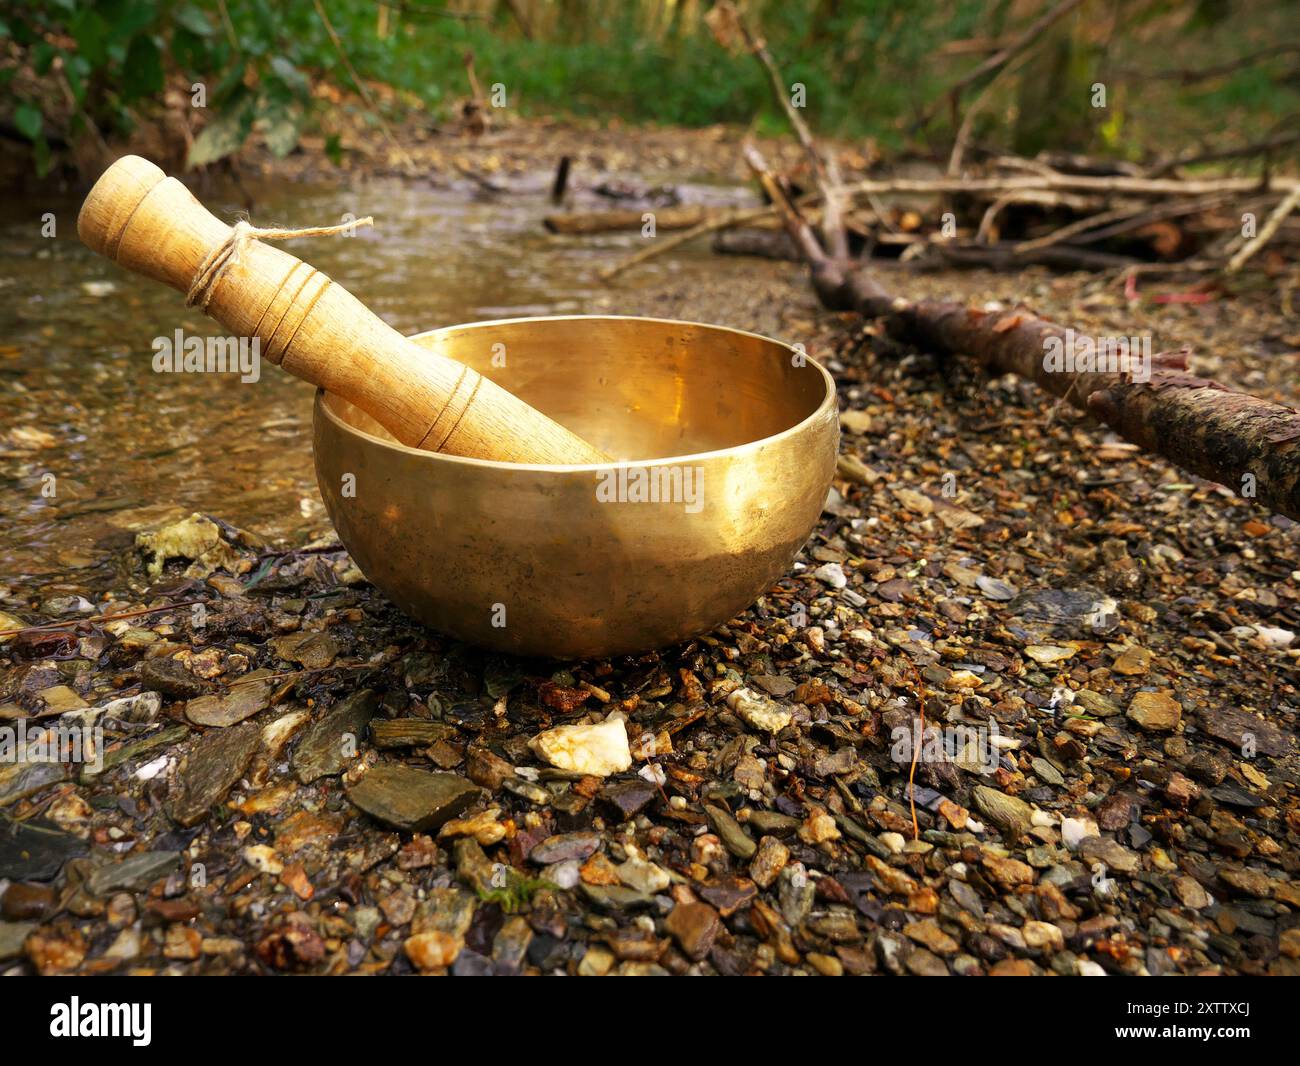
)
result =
(314, 328)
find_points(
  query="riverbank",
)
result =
(1106, 648)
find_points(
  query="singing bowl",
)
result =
(570, 561)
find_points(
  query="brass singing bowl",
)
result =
(569, 561)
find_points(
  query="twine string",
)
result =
(231, 250)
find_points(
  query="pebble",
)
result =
(927, 932)
(170, 678)
(431, 951)
(245, 699)
(565, 846)
(1110, 852)
(1010, 814)
(996, 589)
(218, 760)
(1190, 893)
(694, 926)
(758, 712)
(598, 750)
(643, 876)
(1075, 830)
(627, 798)
(411, 800)
(1156, 711)
(734, 838)
(330, 744)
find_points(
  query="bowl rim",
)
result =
(829, 402)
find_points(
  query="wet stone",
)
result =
(1008, 813)
(1111, 852)
(1157, 711)
(26, 779)
(1236, 728)
(12, 937)
(694, 926)
(626, 799)
(216, 761)
(1097, 705)
(564, 847)
(734, 838)
(768, 861)
(616, 898)
(24, 901)
(245, 699)
(331, 743)
(1046, 772)
(411, 800)
(171, 678)
(510, 947)
(35, 850)
(1233, 796)
(132, 873)
(729, 896)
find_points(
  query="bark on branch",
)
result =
(1241, 441)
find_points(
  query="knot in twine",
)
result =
(229, 252)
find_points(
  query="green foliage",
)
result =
(518, 891)
(115, 57)
(866, 67)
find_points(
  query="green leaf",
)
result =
(280, 130)
(193, 20)
(44, 160)
(334, 149)
(42, 56)
(91, 34)
(219, 138)
(75, 69)
(291, 76)
(231, 86)
(142, 73)
(28, 120)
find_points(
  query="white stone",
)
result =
(1075, 830)
(598, 750)
(832, 574)
(757, 712)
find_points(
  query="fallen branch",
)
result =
(1265, 147)
(1119, 185)
(1108, 223)
(1035, 30)
(1265, 234)
(734, 217)
(668, 218)
(1215, 433)
(762, 243)
(825, 169)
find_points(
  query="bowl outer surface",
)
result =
(563, 562)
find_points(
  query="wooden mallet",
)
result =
(310, 325)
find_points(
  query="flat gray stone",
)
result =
(12, 936)
(412, 800)
(324, 750)
(214, 764)
(132, 873)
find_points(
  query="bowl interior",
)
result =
(638, 388)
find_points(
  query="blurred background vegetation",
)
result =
(72, 70)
